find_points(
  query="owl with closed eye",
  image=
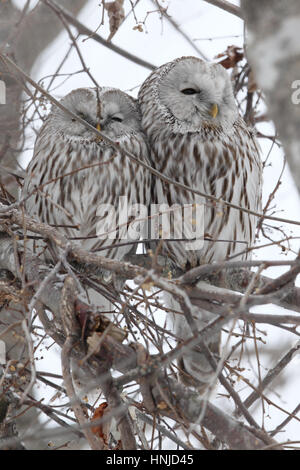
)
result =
(77, 181)
(198, 139)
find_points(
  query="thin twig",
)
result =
(82, 29)
(179, 29)
(133, 158)
(271, 375)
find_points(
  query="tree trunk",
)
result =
(23, 36)
(273, 49)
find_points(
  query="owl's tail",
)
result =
(197, 365)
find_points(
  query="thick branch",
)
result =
(193, 409)
(188, 405)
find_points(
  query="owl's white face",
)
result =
(111, 111)
(197, 93)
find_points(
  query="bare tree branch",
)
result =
(59, 304)
(271, 375)
(87, 32)
(23, 36)
(154, 172)
(179, 29)
(226, 6)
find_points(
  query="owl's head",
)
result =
(107, 109)
(195, 93)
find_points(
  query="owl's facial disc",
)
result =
(108, 110)
(213, 109)
(197, 93)
(83, 103)
(119, 114)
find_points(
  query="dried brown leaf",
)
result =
(116, 15)
(232, 56)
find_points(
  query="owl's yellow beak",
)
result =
(98, 137)
(214, 110)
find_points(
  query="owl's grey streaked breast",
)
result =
(219, 157)
(77, 172)
(198, 139)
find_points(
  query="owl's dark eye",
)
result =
(189, 91)
(116, 119)
(81, 115)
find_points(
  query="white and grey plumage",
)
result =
(73, 174)
(84, 171)
(197, 138)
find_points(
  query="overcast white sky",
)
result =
(159, 43)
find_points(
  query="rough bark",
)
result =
(273, 49)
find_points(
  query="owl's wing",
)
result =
(232, 172)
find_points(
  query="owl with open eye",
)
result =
(198, 139)
(80, 183)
